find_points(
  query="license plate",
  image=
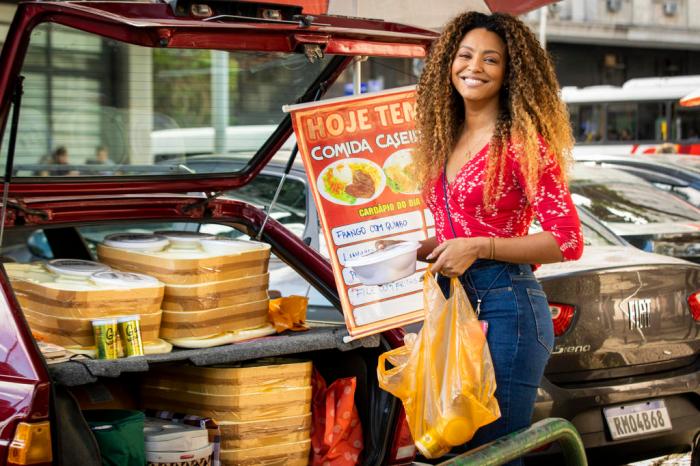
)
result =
(637, 419)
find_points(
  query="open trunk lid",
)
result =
(116, 75)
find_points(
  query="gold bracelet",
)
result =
(492, 248)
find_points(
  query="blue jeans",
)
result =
(520, 338)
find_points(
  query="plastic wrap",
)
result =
(203, 324)
(184, 267)
(254, 434)
(444, 376)
(284, 454)
(213, 295)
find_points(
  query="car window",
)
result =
(687, 193)
(638, 204)
(290, 207)
(97, 107)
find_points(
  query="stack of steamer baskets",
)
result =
(263, 407)
(61, 298)
(215, 289)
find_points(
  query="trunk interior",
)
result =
(106, 384)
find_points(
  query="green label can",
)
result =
(130, 335)
(105, 331)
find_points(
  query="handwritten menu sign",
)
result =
(357, 152)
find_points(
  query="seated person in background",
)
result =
(101, 157)
(58, 157)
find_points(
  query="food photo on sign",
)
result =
(357, 153)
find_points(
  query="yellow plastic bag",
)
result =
(444, 375)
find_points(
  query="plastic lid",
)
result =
(381, 255)
(75, 267)
(122, 319)
(217, 245)
(183, 237)
(123, 279)
(98, 322)
(456, 430)
(136, 241)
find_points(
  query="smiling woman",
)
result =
(496, 158)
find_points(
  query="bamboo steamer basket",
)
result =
(214, 295)
(70, 332)
(186, 266)
(203, 324)
(280, 454)
(60, 308)
(268, 389)
(254, 434)
(265, 405)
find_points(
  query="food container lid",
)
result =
(75, 267)
(123, 279)
(183, 238)
(381, 255)
(230, 246)
(123, 319)
(136, 241)
(99, 322)
(179, 457)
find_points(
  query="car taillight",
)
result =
(694, 304)
(403, 451)
(31, 444)
(562, 316)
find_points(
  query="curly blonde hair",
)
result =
(529, 100)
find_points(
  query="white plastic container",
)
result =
(386, 265)
(75, 268)
(228, 246)
(136, 241)
(183, 239)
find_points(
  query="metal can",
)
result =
(130, 335)
(105, 331)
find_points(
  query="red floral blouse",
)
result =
(514, 212)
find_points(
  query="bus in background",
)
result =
(643, 116)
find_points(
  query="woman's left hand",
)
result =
(454, 256)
